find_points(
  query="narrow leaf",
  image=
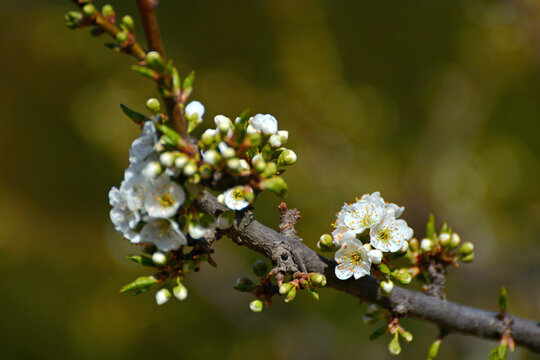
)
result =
(503, 300)
(379, 332)
(146, 72)
(430, 227)
(137, 117)
(141, 259)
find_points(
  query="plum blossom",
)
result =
(390, 234)
(163, 198)
(352, 260)
(123, 219)
(265, 123)
(143, 148)
(163, 233)
(235, 198)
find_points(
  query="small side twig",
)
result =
(288, 220)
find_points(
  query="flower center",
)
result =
(166, 200)
(385, 234)
(238, 194)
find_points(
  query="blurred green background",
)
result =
(433, 103)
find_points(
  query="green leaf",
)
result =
(176, 79)
(503, 300)
(277, 185)
(379, 332)
(146, 72)
(499, 353)
(188, 83)
(172, 136)
(140, 285)
(315, 294)
(384, 269)
(137, 117)
(141, 259)
(430, 227)
(434, 349)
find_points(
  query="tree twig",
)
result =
(448, 315)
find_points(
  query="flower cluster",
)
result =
(386, 234)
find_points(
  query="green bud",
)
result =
(141, 259)
(276, 184)
(454, 241)
(154, 61)
(434, 349)
(255, 139)
(317, 279)
(407, 336)
(503, 300)
(259, 165)
(256, 306)
(153, 105)
(384, 269)
(89, 10)
(128, 22)
(206, 171)
(244, 283)
(286, 287)
(326, 240)
(413, 244)
(180, 291)
(444, 239)
(314, 293)
(290, 295)
(444, 228)
(271, 169)
(107, 11)
(287, 157)
(499, 353)
(386, 287)
(190, 168)
(394, 346)
(260, 268)
(188, 83)
(466, 249)
(121, 36)
(467, 258)
(403, 276)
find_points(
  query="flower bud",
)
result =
(386, 287)
(287, 157)
(444, 239)
(326, 240)
(407, 336)
(167, 159)
(244, 283)
(426, 245)
(244, 166)
(159, 258)
(413, 244)
(88, 10)
(376, 256)
(128, 22)
(317, 279)
(154, 61)
(190, 168)
(367, 247)
(275, 141)
(121, 36)
(260, 268)
(286, 287)
(276, 184)
(152, 170)
(250, 130)
(180, 291)
(226, 151)
(206, 171)
(162, 296)
(221, 199)
(259, 164)
(153, 105)
(393, 347)
(180, 161)
(466, 249)
(271, 169)
(225, 220)
(405, 246)
(290, 295)
(467, 258)
(284, 135)
(454, 241)
(223, 127)
(256, 306)
(372, 309)
(107, 11)
(208, 137)
(211, 157)
(403, 276)
(233, 164)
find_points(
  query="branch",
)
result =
(448, 315)
(153, 39)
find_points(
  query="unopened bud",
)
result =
(467, 258)
(284, 135)
(243, 165)
(317, 279)
(376, 256)
(413, 244)
(206, 171)
(221, 199)
(287, 157)
(407, 336)
(393, 347)
(223, 127)
(386, 287)
(121, 36)
(208, 137)
(271, 169)
(426, 245)
(326, 240)
(128, 22)
(233, 164)
(466, 249)
(226, 151)
(167, 159)
(162, 296)
(107, 11)
(403, 276)
(286, 287)
(275, 141)
(405, 246)
(152, 170)
(154, 61)
(444, 239)
(260, 268)
(290, 295)
(244, 284)
(89, 10)
(180, 291)
(153, 105)
(276, 184)
(250, 130)
(256, 306)
(190, 168)
(259, 165)
(180, 161)
(454, 241)
(159, 258)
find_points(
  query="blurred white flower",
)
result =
(163, 198)
(123, 219)
(143, 147)
(163, 233)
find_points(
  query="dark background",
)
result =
(433, 103)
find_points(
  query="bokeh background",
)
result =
(433, 103)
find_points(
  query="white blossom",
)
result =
(275, 141)
(143, 147)
(163, 198)
(159, 258)
(195, 108)
(123, 219)
(152, 170)
(352, 260)
(225, 150)
(235, 199)
(364, 214)
(265, 123)
(211, 157)
(389, 234)
(163, 233)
